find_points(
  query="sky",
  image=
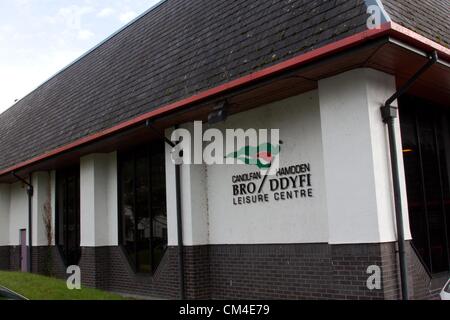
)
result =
(38, 38)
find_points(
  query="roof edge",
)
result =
(419, 40)
(388, 28)
(91, 50)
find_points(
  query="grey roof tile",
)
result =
(429, 18)
(174, 51)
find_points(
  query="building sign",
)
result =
(262, 156)
(289, 183)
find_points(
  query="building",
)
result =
(86, 177)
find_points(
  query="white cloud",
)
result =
(85, 34)
(73, 14)
(127, 16)
(18, 80)
(52, 36)
(106, 12)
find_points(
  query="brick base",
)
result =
(4, 258)
(298, 271)
(309, 271)
(108, 268)
(48, 261)
(14, 258)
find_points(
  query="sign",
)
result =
(289, 183)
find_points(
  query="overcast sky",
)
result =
(40, 37)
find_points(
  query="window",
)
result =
(68, 214)
(142, 206)
(426, 150)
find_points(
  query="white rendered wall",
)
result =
(98, 200)
(338, 130)
(193, 199)
(18, 218)
(211, 217)
(42, 194)
(291, 221)
(359, 191)
(4, 214)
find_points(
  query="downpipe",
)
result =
(389, 114)
(179, 212)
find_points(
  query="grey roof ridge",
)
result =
(90, 50)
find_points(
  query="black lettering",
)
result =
(235, 190)
(251, 188)
(284, 183)
(274, 185)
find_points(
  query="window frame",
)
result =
(122, 156)
(415, 106)
(65, 173)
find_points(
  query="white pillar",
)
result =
(42, 197)
(18, 212)
(4, 214)
(193, 202)
(98, 200)
(356, 158)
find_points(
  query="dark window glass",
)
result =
(426, 152)
(68, 214)
(143, 214)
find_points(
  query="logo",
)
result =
(260, 147)
(262, 156)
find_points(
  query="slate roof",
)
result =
(429, 18)
(175, 50)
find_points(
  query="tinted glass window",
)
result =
(68, 214)
(143, 214)
(426, 152)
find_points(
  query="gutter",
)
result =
(30, 192)
(389, 29)
(180, 233)
(389, 114)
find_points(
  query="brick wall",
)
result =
(14, 258)
(298, 271)
(48, 261)
(309, 271)
(4, 258)
(197, 270)
(421, 284)
(108, 268)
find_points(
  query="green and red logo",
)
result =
(261, 156)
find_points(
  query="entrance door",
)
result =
(23, 251)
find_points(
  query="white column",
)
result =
(4, 214)
(195, 208)
(42, 198)
(193, 202)
(356, 158)
(18, 212)
(98, 200)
